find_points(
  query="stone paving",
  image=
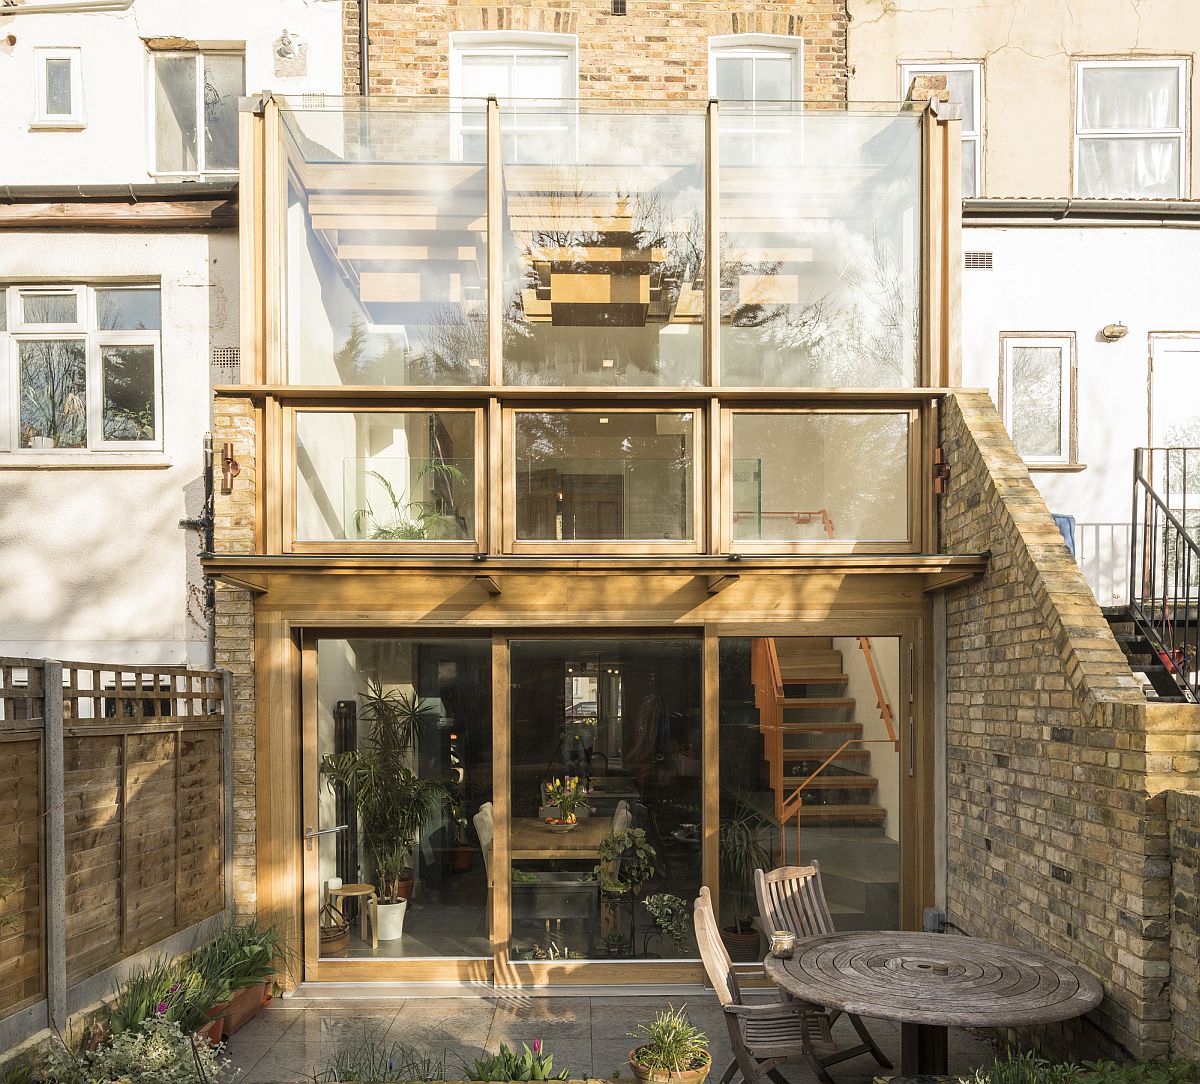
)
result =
(587, 1035)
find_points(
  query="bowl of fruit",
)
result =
(561, 824)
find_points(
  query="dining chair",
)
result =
(793, 898)
(762, 1035)
(485, 829)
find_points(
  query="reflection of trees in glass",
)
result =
(1037, 400)
(446, 339)
(53, 392)
(128, 392)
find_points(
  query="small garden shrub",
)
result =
(671, 1043)
(535, 1064)
(373, 1062)
(1023, 1067)
(155, 1052)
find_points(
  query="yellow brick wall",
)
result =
(1052, 836)
(659, 50)
(1183, 810)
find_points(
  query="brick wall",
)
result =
(1052, 836)
(1183, 810)
(233, 420)
(659, 50)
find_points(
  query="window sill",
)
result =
(58, 126)
(84, 461)
(1057, 468)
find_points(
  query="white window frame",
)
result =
(152, 57)
(1178, 133)
(757, 45)
(84, 330)
(77, 118)
(972, 134)
(1065, 341)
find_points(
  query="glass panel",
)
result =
(773, 78)
(969, 180)
(820, 248)
(128, 373)
(223, 83)
(385, 477)
(128, 310)
(1036, 411)
(604, 476)
(386, 249)
(606, 797)
(487, 75)
(1127, 98)
(50, 308)
(848, 816)
(820, 477)
(175, 114)
(52, 375)
(414, 718)
(735, 77)
(1129, 168)
(540, 77)
(604, 243)
(961, 85)
(58, 88)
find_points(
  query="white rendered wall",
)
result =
(1062, 279)
(115, 147)
(95, 565)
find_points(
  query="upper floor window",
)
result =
(1129, 129)
(755, 68)
(59, 88)
(1037, 396)
(539, 69)
(965, 83)
(195, 103)
(81, 367)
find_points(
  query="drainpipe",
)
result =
(203, 524)
(364, 65)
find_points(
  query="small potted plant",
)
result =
(671, 1050)
(614, 944)
(741, 854)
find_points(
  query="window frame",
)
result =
(514, 545)
(85, 330)
(198, 55)
(77, 118)
(757, 45)
(913, 501)
(1068, 425)
(1177, 133)
(911, 68)
(289, 504)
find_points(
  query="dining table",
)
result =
(930, 982)
(531, 838)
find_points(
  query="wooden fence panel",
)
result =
(22, 787)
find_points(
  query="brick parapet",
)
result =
(1183, 816)
(1052, 836)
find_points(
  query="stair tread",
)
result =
(841, 782)
(818, 701)
(821, 728)
(821, 754)
(846, 812)
(812, 678)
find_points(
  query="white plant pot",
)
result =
(391, 920)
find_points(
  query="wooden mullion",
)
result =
(712, 245)
(500, 927)
(495, 246)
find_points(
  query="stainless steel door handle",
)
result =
(312, 833)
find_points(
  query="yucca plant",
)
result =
(741, 854)
(393, 803)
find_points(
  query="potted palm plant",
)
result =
(741, 854)
(393, 803)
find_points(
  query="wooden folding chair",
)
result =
(762, 1036)
(792, 898)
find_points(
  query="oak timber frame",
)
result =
(705, 588)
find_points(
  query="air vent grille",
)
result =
(226, 364)
(977, 261)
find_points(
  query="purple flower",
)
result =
(537, 1046)
(161, 1008)
(173, 989)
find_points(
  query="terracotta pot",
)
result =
(404, 890)
(657, 1076)
(266, 993)
(460, 859)
(742, 947)
(215, 1028)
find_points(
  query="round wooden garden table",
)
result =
(930, 982)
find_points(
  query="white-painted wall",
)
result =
(115, 145)
(1063, 279)
(96, 567)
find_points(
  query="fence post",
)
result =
(227, 784)
(56, 860)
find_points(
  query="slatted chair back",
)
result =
(792, 898)
(485, 829)
(712, 950)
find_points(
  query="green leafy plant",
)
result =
(18, 1073)
(626, 861)
(413, 520)
(672, 916)
(157, 1051)
(535, 1064)
(393, 803)
(1155, 1071)
(741, 854)
(373, 1062)
(671, 1043)
(172, 990)
(239, 956)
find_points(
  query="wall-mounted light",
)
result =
(1111, 333)
(230, 468)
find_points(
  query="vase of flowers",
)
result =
(564, 800)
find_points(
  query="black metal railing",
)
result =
(1164, 571)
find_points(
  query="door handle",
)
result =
(311, 833)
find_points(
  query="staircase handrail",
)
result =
(1158, 608)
